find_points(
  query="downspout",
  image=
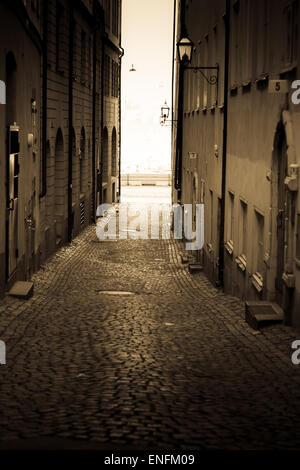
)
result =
(44, 100)
(224, 153)
(104, 36)
(71, 34)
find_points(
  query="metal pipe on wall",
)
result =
(70, 116)
(224, 153)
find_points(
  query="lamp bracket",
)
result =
(213, 79)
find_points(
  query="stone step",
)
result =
(21, 290)
(195, 267)
(262, 313)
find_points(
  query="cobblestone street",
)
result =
(169, 363)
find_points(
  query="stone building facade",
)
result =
(236, 147)
(52, 60)
(111, 106)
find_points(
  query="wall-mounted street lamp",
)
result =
(132, 69)
(164, 115)
(185, 48)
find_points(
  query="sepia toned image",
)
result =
(149, 228)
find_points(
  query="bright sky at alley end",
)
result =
(147, 36)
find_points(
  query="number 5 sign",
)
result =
(278, 86)
(2, 92)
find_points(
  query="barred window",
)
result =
(115, 17)
(106, 75)
(59, 37)
(107, 13)
(83, 57)
(291, 34)
(115, 79)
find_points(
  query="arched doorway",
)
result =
(82, 163)
(114, 152)
(280, 214)
(105, 155)
(75, 168)
(59, 185)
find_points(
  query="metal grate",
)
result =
(82, 206)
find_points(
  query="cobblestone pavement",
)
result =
(173, 365)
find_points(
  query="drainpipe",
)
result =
(71, 34)
(44, 100)
(224, 153)
(104, 36)
(97, 28)
(94, 122)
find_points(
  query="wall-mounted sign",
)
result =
(279, 86)
(2, 92)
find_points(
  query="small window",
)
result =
(107, 14)
(115, 17)
(106, 75)
(243, 229)
(83, 57)
(230, 219)
(291, 32)
(259, 249)
(59, 37)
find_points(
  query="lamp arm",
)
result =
(213, 79)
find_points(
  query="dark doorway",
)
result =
(12, 167)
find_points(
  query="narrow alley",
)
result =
(120, 347)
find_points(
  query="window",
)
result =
(107, 14)
(83, 57)
(259, 242)
(241, 260)
(262, 38)
(89, 62)
(115, 79)
(115, 17)
(246, 41)
(243, 229)
(106, 75)
(235, 46)
(59, 37)
(291, 33)
(230, 219)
